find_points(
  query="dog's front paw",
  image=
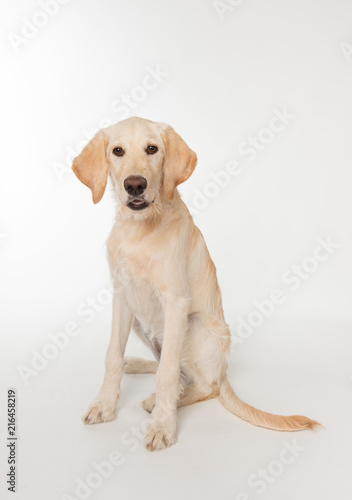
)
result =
(98, 412)
(160, 436)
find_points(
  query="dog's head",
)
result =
(146, 161)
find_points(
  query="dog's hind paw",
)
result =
(149, 403)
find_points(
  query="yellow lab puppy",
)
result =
(164, 280)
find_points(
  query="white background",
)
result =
(223, 78)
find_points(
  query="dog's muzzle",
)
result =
(135, 185)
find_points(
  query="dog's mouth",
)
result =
(137, 204)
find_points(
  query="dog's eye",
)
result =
(118, 151)
(151, 150)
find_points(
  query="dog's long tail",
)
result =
(257, 417)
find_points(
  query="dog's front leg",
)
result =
(161, 432)
(103, 408)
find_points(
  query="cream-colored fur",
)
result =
(165, 283)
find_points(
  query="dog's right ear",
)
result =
(91, 165)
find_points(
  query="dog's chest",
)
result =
(134, 282)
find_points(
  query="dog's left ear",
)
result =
(179, 161)
(91, 165)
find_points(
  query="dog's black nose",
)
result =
(135, 185)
